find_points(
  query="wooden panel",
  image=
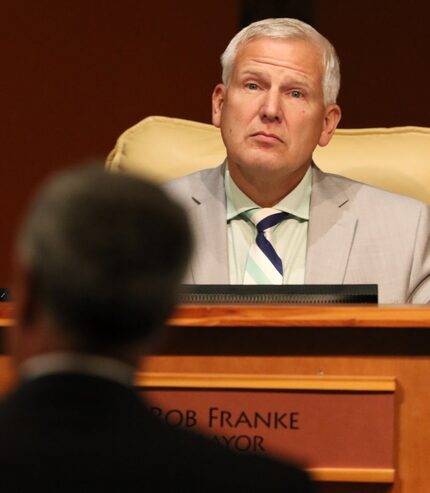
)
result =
(412, 437)
(77, 74)
(325, 423)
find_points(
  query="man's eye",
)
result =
(252, 85)
(296, 94)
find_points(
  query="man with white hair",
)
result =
(268, 215)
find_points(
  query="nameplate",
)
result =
(339, 428)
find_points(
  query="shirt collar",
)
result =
(296, 203)
(87, 364)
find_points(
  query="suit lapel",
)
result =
(331, 231)
(208, 215)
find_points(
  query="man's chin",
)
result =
(266, 164)
(263, 168)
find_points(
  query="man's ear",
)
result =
(331, 121)
(217, 103)
(23, 292)
(24, 336)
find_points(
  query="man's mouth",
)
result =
(266, 137)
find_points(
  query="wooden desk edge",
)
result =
(371, 316)
(301, 316)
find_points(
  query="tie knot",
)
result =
(265, 218)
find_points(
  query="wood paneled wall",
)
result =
(76, 74)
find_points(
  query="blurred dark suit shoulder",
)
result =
(69, 432)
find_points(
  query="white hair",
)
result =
(285, 28)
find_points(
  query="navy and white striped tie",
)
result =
(264, 266)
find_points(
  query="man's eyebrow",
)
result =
(297, 81)
(253, 73)
(289, 80)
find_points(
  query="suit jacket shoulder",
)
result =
(362, 234)
(202, 194)
(197, 187)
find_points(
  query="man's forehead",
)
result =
(267, 43)
(300, 55)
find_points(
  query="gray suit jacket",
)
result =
(357, 234)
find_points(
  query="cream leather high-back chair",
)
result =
(396, 159)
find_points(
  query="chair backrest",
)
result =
(395, 159)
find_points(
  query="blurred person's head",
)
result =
(99, 259)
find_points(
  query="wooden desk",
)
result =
(361, 341)
(392, 341)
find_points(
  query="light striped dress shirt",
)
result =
(289, 238)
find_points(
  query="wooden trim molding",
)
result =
(268, 382)
(207, 316)
(352, 475)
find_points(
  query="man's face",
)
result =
(272, 113)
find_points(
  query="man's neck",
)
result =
(43, 338)
(266, 188)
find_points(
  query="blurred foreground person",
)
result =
(98, 264)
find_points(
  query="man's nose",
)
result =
(271, 108)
